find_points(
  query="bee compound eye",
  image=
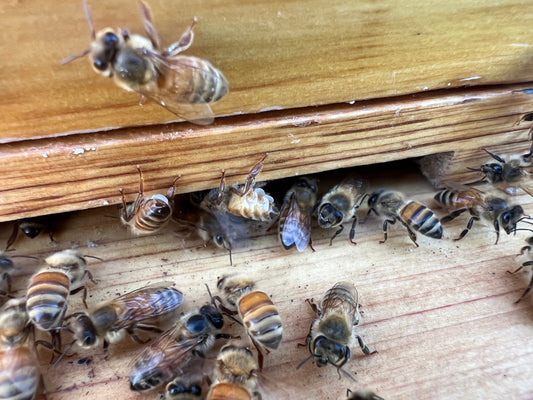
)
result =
(110, 39)
(176, 388)
(196, 390)
(100, 64)
(31, 231)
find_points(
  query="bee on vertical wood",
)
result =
(19, 367)
(184, 85)
(416, 217)
(235, 375)
(332, 334)
(362, 394)
(32, 227)
(49, 289)
(256, 311)
(147, 308)
(340, 204)
(505, 175)
(528, 263)
(147, 215)
(294, 227)
(159, 362)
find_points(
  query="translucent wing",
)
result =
(179, 81)
(147, 303)
(295, 226)
(19, 372)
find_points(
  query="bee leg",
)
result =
(142, 99)
(311, 245)
(172, 189)
(8, 279)
(452, 216)
(13, 235)
(352, 230)
(527, 290)
(250, 179)
(468, 227)
(385, 224)
(495, 156)
(50, 346)
(149, 28)
(364, 348)
(183, 43)
(336, 234)
(260, 356)
(84, 294)
(523, 250)
(313, 306)
(497, 229)
(412, 236)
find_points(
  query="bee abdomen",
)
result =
(445, 197)
(261, 317)
(421, 219)
(20, 379)
(342, 292)
(47, 296)
(153, 214)
(256, 205)
(208, 84)
(228, 391)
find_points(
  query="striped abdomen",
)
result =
(261, 318)
(19, 374)
(420, 218)
(46, 299)
(342, 297)
(153, 214)
(228, 391)
(459, 199)
(256, 205)
(206, 84)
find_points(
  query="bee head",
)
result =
(327, 351)
(510, 217)
(329, 216)
(104, 50)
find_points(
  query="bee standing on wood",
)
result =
(294, 227)
(340, 204)
(50, 288)
(505, 175)
(256, 311)
(147, 215)
(19, 367)
(147, 308)
(184, 85)
(333, 333)
(159, 362)
(415, 216)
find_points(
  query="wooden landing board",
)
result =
(84, 171)
(441, 316)
(275, 54)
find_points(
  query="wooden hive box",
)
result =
(319, 86)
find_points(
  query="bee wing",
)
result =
(296, 228)
(147, 303)
(469, 193)
(173, 87)
(20, 369)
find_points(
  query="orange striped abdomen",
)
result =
(206, 83)
(421, 219)
(153, 214)
(19, 374)
(228, 391)
(46, 299)
(261, 319)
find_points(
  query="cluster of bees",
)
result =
(186, 86)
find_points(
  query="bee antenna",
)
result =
(89, 19)
(75, 56)
(96, 258)
(304, 361)
(346, 373)
(210, 295)
(230, 259)
(64, 353)
(32, 257)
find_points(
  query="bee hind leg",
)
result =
(183, 43)
(364, 347)
(526, 291)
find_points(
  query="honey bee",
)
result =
(184, 388)
(235, 375)
(184, 85)
(461, 199)
(247, 200)
(393, 206)
(32, 227)
(146, 308)
(294, 227)
(147, 215)
(158, 363)
(19, 367)
(340, 204)
(256, 311)
(528, 263)
(505, 175)
(332, 334)
(362, 395)
(49, 289)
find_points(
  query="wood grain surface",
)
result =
(84, 171)
(275, 54)
(442, 316)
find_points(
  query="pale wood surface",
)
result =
(275, 54)
(441, 316)
(85, 171)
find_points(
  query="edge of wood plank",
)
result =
(85, 171)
